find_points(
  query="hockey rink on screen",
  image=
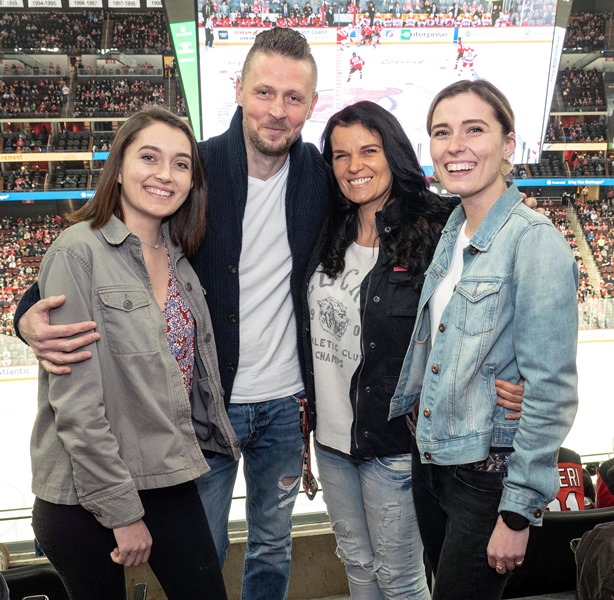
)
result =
(403, 78)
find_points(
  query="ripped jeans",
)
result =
(371, 508)
(272, 446)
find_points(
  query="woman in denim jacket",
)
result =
(364, 283)
(498, 302)
(117, 442)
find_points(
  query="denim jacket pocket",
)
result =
(503, 433)
(127, 320)
(478, 305)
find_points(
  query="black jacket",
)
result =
(217, 261)
(388, 303)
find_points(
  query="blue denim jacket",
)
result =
(512, 315)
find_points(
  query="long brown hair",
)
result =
(187, 224)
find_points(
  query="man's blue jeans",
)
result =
(457, 511)
(272, 446)
(372, 513)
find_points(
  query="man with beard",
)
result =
(267, 201)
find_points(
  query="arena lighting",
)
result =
(405, 66)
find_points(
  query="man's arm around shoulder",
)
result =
(55, 346)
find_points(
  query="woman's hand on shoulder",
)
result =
(133, 544)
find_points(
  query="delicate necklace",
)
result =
(154, 246)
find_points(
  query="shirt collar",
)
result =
(494, 220)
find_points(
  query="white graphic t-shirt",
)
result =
(334, 307)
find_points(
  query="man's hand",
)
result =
(133, 544)
(509, 395)
(56, 346)
(531, 202)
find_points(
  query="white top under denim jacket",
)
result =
(121, 421)
(512, 315)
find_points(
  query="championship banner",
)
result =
(124, 3)
(44, 3)
(84, 3)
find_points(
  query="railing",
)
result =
(596, 314)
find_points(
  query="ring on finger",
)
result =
(499, 567)
(519, 563)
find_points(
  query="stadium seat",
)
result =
(550, 565)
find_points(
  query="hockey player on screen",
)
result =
(343, 36)
(366, 34)
(459, 52)
(469, 55)
(356, 64)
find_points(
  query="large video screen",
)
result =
(406, 59)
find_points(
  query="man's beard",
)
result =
(268, 148)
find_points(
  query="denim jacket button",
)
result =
(207, 337)
(372, 345)
(435, 369)
(427, 412)
(442, 327)
(127, 304)
(537, 513)
(188, 286)
(427, 455)
(376, 299)
(232, 319)
(473, 251)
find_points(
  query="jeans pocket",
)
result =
(394, 468)
(482, 481)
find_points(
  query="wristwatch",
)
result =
(514, 521)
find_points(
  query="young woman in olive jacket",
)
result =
(118, 441)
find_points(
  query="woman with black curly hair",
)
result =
(362, 290)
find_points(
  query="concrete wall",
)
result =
(316, 570)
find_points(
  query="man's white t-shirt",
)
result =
(268, 361)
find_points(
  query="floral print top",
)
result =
(180, 328)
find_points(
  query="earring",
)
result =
(506, 167)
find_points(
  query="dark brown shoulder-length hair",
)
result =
(187, 224)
